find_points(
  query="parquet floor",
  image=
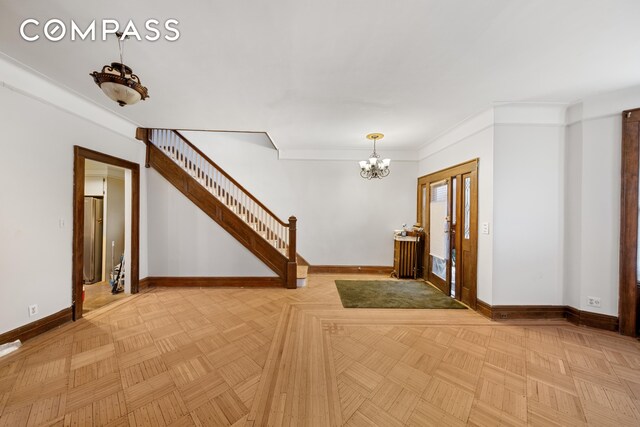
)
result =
(257, 357)
(98, 295)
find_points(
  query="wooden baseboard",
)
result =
(600, 321)
(38, 327)
(573, 315)
(501, 312)
(242, 282)
(349, 269)
(483, 308)
(143, 284)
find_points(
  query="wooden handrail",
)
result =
(229, 177)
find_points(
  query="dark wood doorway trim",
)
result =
(628, 302)
(81, 154)
(459, 171)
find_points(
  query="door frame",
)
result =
(630, 166)
(469, 167)
(80, 155)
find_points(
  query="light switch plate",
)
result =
(485, 228)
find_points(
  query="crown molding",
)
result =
(26, 81)
(499, 114)
(530, 113)
(346, 155)
(470, 126)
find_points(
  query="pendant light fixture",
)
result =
(374, 167)
(118, 82)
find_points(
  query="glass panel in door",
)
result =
(466, 261)
(439, 235)
(454, 197)
(423, 211)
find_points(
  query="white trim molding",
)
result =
(500, 114)
(347, 155)
(19, 78)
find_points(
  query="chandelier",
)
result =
(118, 82)
(374, 167)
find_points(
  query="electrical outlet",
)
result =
(33, 310)
(593, 302)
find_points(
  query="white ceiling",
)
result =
(321, 74)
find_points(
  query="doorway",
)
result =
(91, 264)
(448, 211)
(104, 269)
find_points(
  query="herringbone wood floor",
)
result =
(254, 357)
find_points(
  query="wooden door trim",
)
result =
(468, 167)
(458, 240)
(473, 226)
(627, 305)
(80, 155)
(458, 169)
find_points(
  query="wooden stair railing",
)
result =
(227, 202)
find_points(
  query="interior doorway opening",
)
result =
(106, 212)
(104, 269)
(448, 211)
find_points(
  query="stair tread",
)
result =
(301, 272)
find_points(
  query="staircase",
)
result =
(227, 202)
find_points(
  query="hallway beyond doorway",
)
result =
(98, 295)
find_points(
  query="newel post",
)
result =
(292, 238)
(142, 134)
(292, 266)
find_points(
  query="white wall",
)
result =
(573, 215)
(94, 186)
(184, 241)
(342, 218)
(554, 196)
(600, 233)
(35, 252)
(528, 214)
(472, 139)
(593, 210)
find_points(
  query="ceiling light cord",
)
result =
(121, 41)
(121, 48)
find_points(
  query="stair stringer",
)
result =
(219, 212)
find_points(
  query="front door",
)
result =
(448, 211)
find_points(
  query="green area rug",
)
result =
(392, 294)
